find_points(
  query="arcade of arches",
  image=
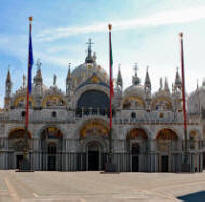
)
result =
(49, 151)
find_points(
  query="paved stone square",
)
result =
(95, 186)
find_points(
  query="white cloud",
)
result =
(163, 18)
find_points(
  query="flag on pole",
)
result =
(111, 62)
(30, 58)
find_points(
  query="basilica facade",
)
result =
(69, 131)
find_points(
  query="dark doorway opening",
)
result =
(52, 163)
(165, 164)
(135, 163)
(19, 159)
(135, 157)
(93, 157)
(52, 156)
(203, 160)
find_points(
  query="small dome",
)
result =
(137, 90)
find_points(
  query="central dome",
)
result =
(84, 71)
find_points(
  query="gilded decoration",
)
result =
(133, 102)
(95, 79)
(94, 128)
(52, 132)
(53, 100)
(167, 134)
(18, 133)
(137, 133)
(162, 103)
(16, 138)
(20, 101)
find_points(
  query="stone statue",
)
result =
(24, 81)
(54, 79)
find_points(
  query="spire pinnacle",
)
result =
(8, 78)
(119, 77)
(135, 69)
(69, 73)
(166, 86)
(177, 78)
(160, 83)
(147, 79)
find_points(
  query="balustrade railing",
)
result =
(119, 117)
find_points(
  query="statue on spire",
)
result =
(24, 81)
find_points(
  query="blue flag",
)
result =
(30, 62)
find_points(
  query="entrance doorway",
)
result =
(19, 159)
(165, 163)
(135, 157)
(93, 157)
(52, 156)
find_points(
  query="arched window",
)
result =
(95, 100)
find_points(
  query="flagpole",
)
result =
(110, 65)
(27, 92)
(110, 167)
(25, 163)
(185, 166)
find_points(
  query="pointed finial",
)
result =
(135, 69)
(197, 84)
(8, 78)
(119, 65)
(161, 85)
(147, 68)
(166, 86)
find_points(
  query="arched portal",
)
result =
(51, 147)
(93, 155)
(166, 142)
(137, 146)
(94, 138)
(16, 143)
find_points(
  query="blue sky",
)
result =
(145, 32)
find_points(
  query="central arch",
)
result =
(94, 138)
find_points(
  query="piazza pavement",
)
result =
(99, 187)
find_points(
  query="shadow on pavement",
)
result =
(194, 197)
